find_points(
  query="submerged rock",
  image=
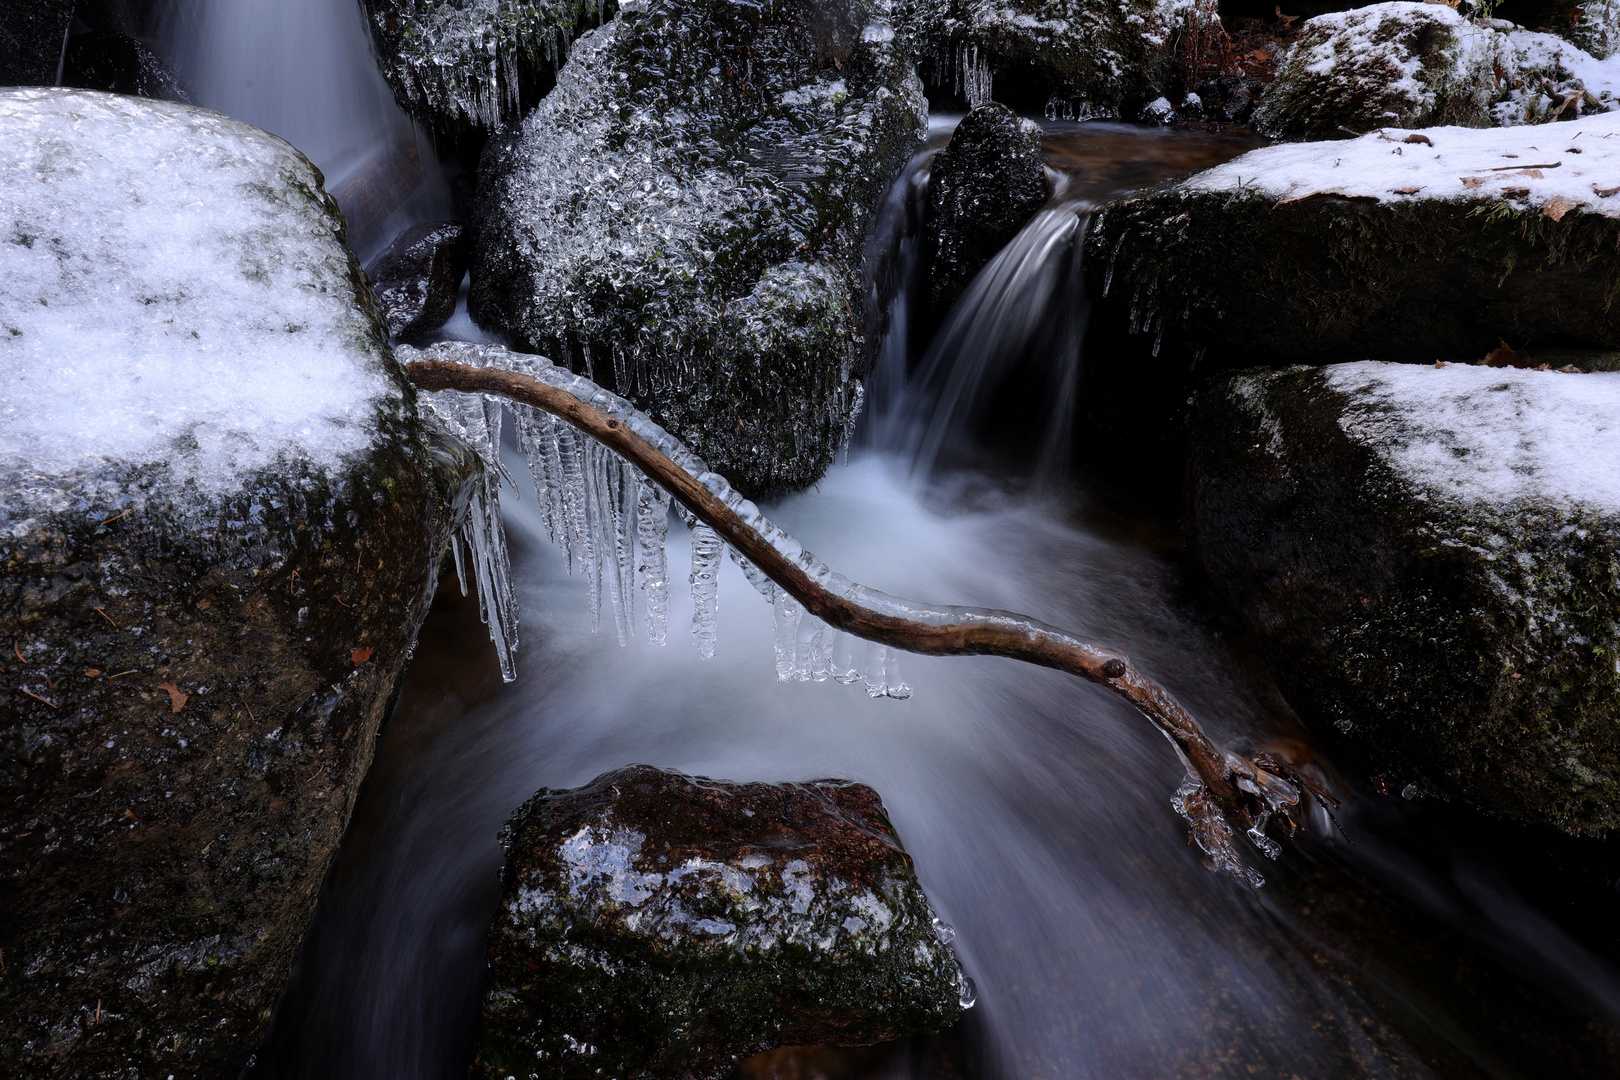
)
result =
(653, 924)
(220, 524)
(987, 182)
(682, 218)
(418, 277)
(1401, 245)
(459, 64)
(1409, 65)
(1430, 558)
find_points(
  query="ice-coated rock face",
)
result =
(457, 64)
(418, 277)
(1406, 65)
(1083, 57)
(1422, 245)
(653, 924)
(1430, 557)
(682, 217)
(220, 523)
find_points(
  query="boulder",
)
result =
(1075, 58)
(987, 182)
(220, 524)
(32, 35)
(114, 61)
(1410, 65)
(682, 218)
(457, 65)
(653, 924)
(1430, 558)
(1401, 245)
(418, 277)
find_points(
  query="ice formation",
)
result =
(611, 523)
(136, 332)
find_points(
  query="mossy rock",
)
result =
(682, 218)
(458, 65)
(1430, 558)
(1305, 253)
(220, 525)
(653, 924)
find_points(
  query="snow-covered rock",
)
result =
(1423, 245)
(653, 924)
(1430, 557)
(1084, 58)
(1402, 64)
(682, 218)
(220, 521)
(459, 64)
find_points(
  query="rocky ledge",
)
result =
(653, 924)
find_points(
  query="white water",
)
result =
(304, 70)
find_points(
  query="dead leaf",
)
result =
(362, 654)
(1405, 190)
(1472, 181)
(1505, 355)
(1557, 206)
(1534, 174)
(1417, 137)
(1515, 192)
(1286, 20)
(92, 672)
(203, 605)
(1571, 369)
(177, 700)
(1604, 193)
(130, 814)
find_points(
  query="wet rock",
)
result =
(1343, 250)
(982, 188)
(1074, 58)
(220, 523)
(1430, 557)
(32, 34)
(653, 924)
(462, 64)
(113, 61)
(418, 277)
(682, 218)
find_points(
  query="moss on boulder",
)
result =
(1340, 251)
(220, 524)
(1430, 558)
(682, 218)
(653, 924)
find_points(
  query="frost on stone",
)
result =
(476, 63)
(681, 219)
(1402, 64)
(147, 347)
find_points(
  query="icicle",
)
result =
(897, 687)
(705, 580)
(844, 667)
(622, 494)
(874, 668)
(756, 577)
(652, 531)
(785, 629)
(821, 650)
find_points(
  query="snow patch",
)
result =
(172, 291)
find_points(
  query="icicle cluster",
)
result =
(973, 75)
(611, 523)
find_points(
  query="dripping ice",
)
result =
(611, 524)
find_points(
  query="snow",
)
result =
(1579, 159)
(1490, 435)
(172, 292)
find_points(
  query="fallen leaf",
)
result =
(1534, 174)
(1439, 363)
(1515, 192)
(1571, 369)
(1417, 137)
(1505, 355)
(92, 672)
(1604, 193)
(1472, 181)
(1287, 20)
(130, 814)
(1405, 190)
(362, 654)
(1557, 206)
(177, 700)
(203, 605)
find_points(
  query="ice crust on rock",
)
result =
(681, 218)
(113, 353)
(1493, 435)
(1455, 164)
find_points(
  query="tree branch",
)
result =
(1242, 790)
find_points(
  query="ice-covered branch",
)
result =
(1221, 785)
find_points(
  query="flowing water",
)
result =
(1037, 806)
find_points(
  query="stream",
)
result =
(1406, 940)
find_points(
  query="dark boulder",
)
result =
(987, 182)
(682, 218)
(114, 61)
(32, 34)
(220, 524)
(418, 277)
(654, 924)
(1430, 558)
